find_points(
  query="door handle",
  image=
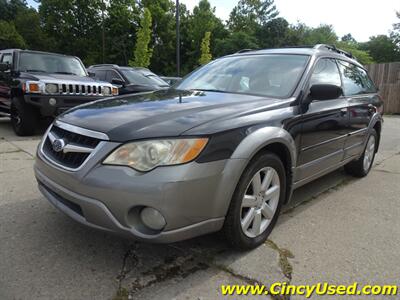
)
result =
(343, 111)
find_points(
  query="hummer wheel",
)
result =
(24, 117)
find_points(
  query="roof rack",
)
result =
(104, 65)
(244, 50)
(333, 48)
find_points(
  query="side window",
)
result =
(100, 75)
(369, 86)
(111, 75)
(7, 58)
(355, 79)
(326, 72)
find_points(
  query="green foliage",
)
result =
(235, 42)
(121, 21)
(9, 36)
(205, 49)
(81, 27)
(381, 48)
(74, 27)
(143, 53)
(362, 56)
(248, 15)
(273, 34)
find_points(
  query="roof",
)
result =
(318, 50)
(35, 51)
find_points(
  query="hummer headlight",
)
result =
(107, 91)
(51, 88)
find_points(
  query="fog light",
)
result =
(52, 101)
(152, 218)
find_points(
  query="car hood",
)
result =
(163, 113)
(58, 77)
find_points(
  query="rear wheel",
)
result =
(24, 117)
(363, 165)
(256, 203)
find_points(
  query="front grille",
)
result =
(82, 89)
(71, 160)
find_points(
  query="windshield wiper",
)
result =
(34, 70)
(210, 90)
(66, 73)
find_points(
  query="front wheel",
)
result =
(256, 202)
(362, 166)
(24, 117)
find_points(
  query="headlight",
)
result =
(115, 91)
(147, 155)
(51, 88)
(106, 91)
(33, 87)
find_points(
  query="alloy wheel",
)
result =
(369, 153)
(260, 202)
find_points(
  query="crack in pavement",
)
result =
(386, 171)
(284, 255)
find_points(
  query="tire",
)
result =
(263, 208)
(362, 166)
(24, 117)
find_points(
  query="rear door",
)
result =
(360, 93)
(324, 125)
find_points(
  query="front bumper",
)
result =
(193, 198)
(64, 102)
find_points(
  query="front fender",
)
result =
(263, 137)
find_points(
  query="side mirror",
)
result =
(4, 67)
(325, 92)
(117, 81)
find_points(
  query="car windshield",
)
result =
(274, 75)
(157, 80)
(50, 63)
(136, 77)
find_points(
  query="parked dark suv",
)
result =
(223, 150)
(37, 84)
(129, 80)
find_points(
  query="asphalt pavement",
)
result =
(338, 229)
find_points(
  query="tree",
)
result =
(163, 35)
(9, 37)
(205, 49)
(273, 34)
(74, 26)
(120, 24)
(381, 48)
(362, 56)
(249, 15)
(235, 42)
(395, 33)
(27, 23)
(143, 53)
(323, 34)
(10, 8)
(348, 38)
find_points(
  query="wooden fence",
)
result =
(387, 79)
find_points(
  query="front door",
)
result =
(5, 82)
(324, 126)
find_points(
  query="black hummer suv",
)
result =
(37, 84)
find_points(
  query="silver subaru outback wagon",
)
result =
(221, 150)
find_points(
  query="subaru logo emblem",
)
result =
(58, 145)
